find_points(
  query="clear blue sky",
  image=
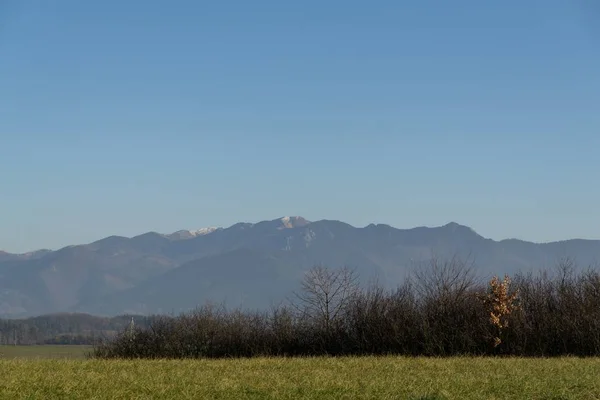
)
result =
(121, 117)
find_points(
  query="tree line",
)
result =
(66, 329)
(442, 309)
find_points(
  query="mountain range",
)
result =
(253, 265)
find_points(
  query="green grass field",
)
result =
(308, 378)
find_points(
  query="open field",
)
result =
(303, 378)
(46, 351)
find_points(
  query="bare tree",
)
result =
(325, 293)
(449, 278)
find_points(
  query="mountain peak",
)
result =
(255, 264)
(189, 234)
(292, 222)
(456, 227)
(204, 231)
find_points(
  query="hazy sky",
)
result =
(121, 117)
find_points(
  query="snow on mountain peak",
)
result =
(204, 231)
(286, 222)
(292, 222)
(187, 234)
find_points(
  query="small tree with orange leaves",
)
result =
(500, 304)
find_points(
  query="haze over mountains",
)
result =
(250, 265)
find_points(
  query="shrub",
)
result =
(441, 310)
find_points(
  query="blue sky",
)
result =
(121, 117)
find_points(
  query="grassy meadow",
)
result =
(302, 378)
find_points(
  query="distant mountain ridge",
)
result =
(249, 264)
